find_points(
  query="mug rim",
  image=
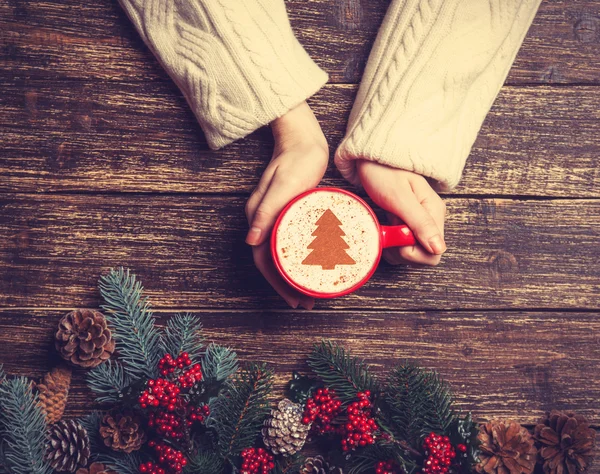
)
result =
(307, 291)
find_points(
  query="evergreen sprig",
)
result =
(238, 413)
(121, 462)
(340, 371)
(132, 322)
(2, 373)
(91, 423)
(23, 428)
(365, 459)
(288, 465)
(219, 363)
(419, 403)
(205, 462)
(184, 334)
(107, 381)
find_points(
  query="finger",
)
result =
(264, 263)
(437, 209)
(259, 192)
(279, 193)
(410, 254)
(410, 210)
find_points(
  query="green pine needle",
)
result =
(419, 403)
(23, 428)
(121, 462)
(237, 414)
(364, 460)
(2, 373)
(107, 381)
(289, 465)
(343, 373)
(205, 462)
(219, 363)
(91, 423)
(184, 334)
(132, 322)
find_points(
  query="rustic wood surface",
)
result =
(102, 164)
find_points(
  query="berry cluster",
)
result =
(170, 460)
(360, 428)
(321, 410)
(167, 365)
(440, 454)
(166, 424)
(387, 467)
(189, 378)
(198, 414)
(256, 461)
(161, 393)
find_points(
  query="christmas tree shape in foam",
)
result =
(328, 247)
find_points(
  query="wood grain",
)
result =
(491, 360)
(67, 39)
(540, 141)
(190, 251)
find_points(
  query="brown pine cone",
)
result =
(53, 392)
(95, 468)
(122, 432)
(318, 465)
(284, 433)
(566, 442)
(67, 446)
(506, 448)
(84, 339)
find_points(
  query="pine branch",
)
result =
(23, 428)
(419, 403)
(91, 423)
(219, 363)
(343, 373)
(2, 373)
(132, 322)
(289, 465)
(3, 464)
(184, 334)
(205, 462)
(237, 415)
(121, 462)
(107, 381)
(364, 460)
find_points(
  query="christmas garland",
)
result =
(175, 405)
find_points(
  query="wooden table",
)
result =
(102, 164)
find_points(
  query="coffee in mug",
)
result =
(327, 242)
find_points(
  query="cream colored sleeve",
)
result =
(432, 76)
(238, 63)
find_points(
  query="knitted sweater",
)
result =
(433, 74)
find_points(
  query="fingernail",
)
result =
(292, 302)
(437, 245)
(253, 236)
(307, 303)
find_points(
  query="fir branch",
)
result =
(365, 459)
(419, 403)
(340, 371)
(205, 462)
(3, 464)
(121, 462)
(107, 381)
(219, 363)
(91, 423)
(184, 334)
(132, 322)
(237, 415)
(23, 428)
(289, 465)
(2, 373)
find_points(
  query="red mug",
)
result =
(327, 242)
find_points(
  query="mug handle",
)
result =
(396, 236)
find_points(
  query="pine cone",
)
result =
(566, 442)
(506, 447)
(318, 465)
(122, 432)
(95, 468)
(83, 338)
(53, 392)
(68, 446)
(284, 433)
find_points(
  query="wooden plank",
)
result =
(190, 251)
(67, 39)
(500, 364)
(541, 141)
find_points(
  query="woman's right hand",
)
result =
(298, 164)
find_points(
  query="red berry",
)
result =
(439, 452)
(361, 426)
(321, 409)
(387, 467)
(256, 461)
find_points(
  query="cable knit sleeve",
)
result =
(432, 76)
(238, 63)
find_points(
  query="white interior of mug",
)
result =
(327, 242)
